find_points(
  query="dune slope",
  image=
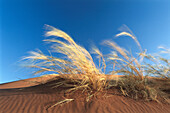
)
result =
(39, 98)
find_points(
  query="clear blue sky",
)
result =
(87, 21)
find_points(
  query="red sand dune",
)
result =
(26, 82)
(17, 97)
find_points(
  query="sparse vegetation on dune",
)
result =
(80, 72)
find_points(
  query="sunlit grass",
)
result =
(76, 62)
(137, 72)
(77, 67)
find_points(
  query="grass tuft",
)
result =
(79, 72)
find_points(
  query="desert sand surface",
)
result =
(31, 97)
(26, 82)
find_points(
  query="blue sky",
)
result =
(87, 21)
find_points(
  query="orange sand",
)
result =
(19, 97)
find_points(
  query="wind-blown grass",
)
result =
(80, 72)
(136, 83)
(77, 64)
(160, 66)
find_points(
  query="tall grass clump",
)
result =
(78, 70)
(76, 64)
(159, 70)
(135, 82)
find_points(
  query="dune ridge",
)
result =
(17, 98)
